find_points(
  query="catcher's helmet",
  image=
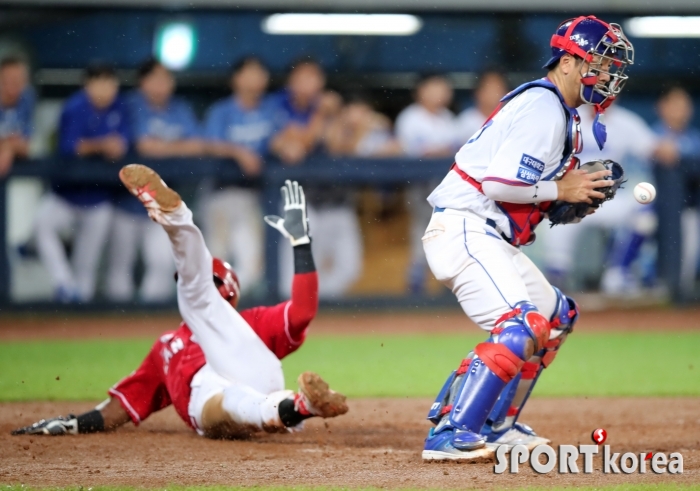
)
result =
(595, 41)
(226, 281)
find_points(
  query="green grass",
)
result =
(664, 486)
(627, 364)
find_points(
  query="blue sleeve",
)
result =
(124, 128)
(27, 112)
(215, 126)
(278, 114)
(70, 130)
(691, 145)
(189, 122)
(137, 119)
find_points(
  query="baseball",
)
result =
(644, 193)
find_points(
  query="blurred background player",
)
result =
(94, 125)
(631, 141)
(238, 129)
(304, 112)
(426, 128)
(228, 382)
(361, 131)
(16, 111)
(679, 254)
(491, 86)
(163, 126)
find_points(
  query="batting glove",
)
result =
(54, 426)
(295, 224)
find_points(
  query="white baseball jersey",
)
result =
(522, 148)
(419, 131)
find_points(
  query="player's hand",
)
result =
(250, 162)
(293, 152)
(114, 147)
(54, 426)
(578, 186)
(295, 224)
(666, 153)
(7, 157)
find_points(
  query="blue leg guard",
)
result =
(498, 361)
(445, 398)
(512, 400)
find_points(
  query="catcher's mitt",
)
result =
(562, 212)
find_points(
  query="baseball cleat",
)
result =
(55, 426)
(317, 399)
(144, 183)
(440, 447)
(518, 434)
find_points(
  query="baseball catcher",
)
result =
(519, 168)
(221, 368)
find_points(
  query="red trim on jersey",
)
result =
(467, 177)
(125, 404)
(286, 323)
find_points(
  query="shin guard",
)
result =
(511, 402)
(445, 398)
(498, 362)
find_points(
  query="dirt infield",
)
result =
(82, 326)
(377, 444)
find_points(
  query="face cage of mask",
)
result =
(616, 72)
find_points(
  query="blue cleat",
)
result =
(440, 445)
(467, 440)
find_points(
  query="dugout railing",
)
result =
(676, 186)
(189, 173)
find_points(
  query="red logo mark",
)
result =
(144, 190)
(599, 436)
(649, 456)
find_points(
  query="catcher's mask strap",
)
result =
(570, 46)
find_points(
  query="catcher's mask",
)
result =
(226, 281)
(597, 43)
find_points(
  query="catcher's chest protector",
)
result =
(525, 217)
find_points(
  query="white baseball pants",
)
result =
(487, 274)
(89, 229)
(239, 365)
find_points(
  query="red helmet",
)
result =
(226, 281)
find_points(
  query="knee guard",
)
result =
(518, 335)
(512, 400)
(562, 323)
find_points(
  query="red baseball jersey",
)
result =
(164, 376)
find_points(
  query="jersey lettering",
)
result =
(532, 163)
(528, 176)
(175, 346)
